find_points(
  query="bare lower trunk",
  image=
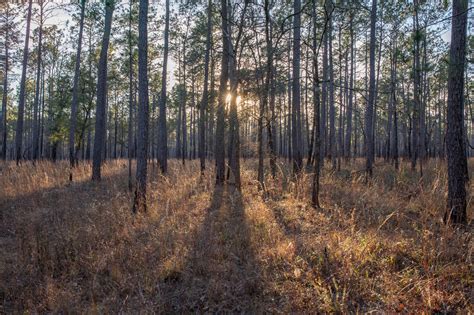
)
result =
(205, 94)
(296, 89)
(163, 132)
(455, 141)
(139, 204)
(369, 139)
(220, 124)
(100, 119)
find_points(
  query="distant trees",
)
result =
(9, 29)
(455, 136)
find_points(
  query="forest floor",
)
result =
(382, 246)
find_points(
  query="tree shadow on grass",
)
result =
(220, 273)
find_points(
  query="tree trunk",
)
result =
(130, 99)
(317, 107)
(205, 93)
(35, 143)
(455, 140)
(220, 123)
(139, 204)
(369, 139)
(415, 139)
(100, 119)
(21, 103)
(296, 88)
(351, 89)
(73, 119)
(332, 107)
(3, 118)
(270, 88)
(163, 133)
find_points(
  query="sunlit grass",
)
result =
(377, 247)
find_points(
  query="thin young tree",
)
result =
(455, 137)
(102, 93)
(139, 203)
(21, 102)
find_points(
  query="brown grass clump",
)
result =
(381, 247)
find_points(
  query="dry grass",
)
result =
(381, 247)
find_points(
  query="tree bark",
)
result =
(220, 123)
(415, 139)
(21, 103)
(332, 107)
(369, 139)
(3, 119)
(75, 87)
(163, 133)
(455, 140)
(317, 109)
(139, 204)
(100, 119)
(205, 93)
(296, 88)
(351, 89)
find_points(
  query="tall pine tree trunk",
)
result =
(75, 87)
(3, 118)
(296, 89)
(205, 93)
(317, 107)
(139, 203)
(163, 133)
(455, 139)
(21, 103)
(220, 123)
(369, 114)
(351, 89)
(38, 85)
(100, 118)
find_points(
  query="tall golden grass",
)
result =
(77, 248)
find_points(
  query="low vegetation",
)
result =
(77, 247)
